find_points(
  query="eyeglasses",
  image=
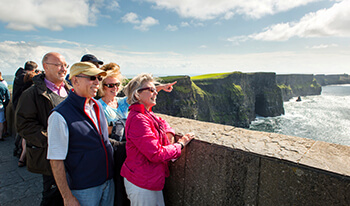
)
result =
(151, 89)
(92, 78)
(59, 65)
(112, 85)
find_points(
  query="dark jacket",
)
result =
(33, 109)
(89, 160)
(19, 86)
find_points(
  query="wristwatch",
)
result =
(182, 145)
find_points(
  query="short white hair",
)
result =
(136, 84)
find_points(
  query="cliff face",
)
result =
(231, 99)
(236, 98)
(293, 85)
(324, 80)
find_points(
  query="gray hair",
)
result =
(135, 84)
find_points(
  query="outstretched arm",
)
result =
(166, 87)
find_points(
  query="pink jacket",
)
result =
(147, 149)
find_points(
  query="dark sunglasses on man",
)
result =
(92, 78)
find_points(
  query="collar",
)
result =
(77, 100)
(52, 85)
(139, 108)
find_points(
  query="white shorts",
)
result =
(139, 196)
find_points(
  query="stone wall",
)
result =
(226, 165)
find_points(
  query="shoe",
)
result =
(21, 163)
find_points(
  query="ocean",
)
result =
(324, 117)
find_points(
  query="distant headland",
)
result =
(236, 98)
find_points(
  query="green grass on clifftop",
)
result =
(171, 78)
(211, 76)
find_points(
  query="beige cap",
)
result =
(86, 68)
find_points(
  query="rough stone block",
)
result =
(232, 166)
(213, 175)
(287, 183)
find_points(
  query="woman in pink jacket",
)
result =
(149, 144)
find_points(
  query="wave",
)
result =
(325, 117)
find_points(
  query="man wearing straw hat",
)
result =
(79, 151)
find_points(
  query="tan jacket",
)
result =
(33, 109)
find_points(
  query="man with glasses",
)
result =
(32, 112)
(79, 150)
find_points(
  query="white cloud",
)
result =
(203, 46)
(209, 9)
(184, 24)
(26, 15)
(113, 6)
(62, 41)
(146, 23)
(327, 60)
(334, 21)
(131, 18)
(14, 54)
(197, 24)
(324, 46)
(192, 23)
(237, 39)
(171, 28)
(229, 15)
(142, 25)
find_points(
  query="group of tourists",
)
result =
(92, 147)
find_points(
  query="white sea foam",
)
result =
(324, 117)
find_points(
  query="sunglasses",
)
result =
(92, 78)
(151, 89)
(112, 85)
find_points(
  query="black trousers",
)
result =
(120, 198)
(51, 194)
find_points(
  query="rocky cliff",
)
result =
(324, 80)
(230, 98)
(293, 85)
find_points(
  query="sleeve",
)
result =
(27, 123)
(7, 97)
(124, 106)
(57, 131)
(144, 138)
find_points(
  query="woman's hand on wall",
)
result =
(187, 138)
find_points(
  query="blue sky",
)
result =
(181, 37)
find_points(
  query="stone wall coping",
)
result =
(322, 155)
